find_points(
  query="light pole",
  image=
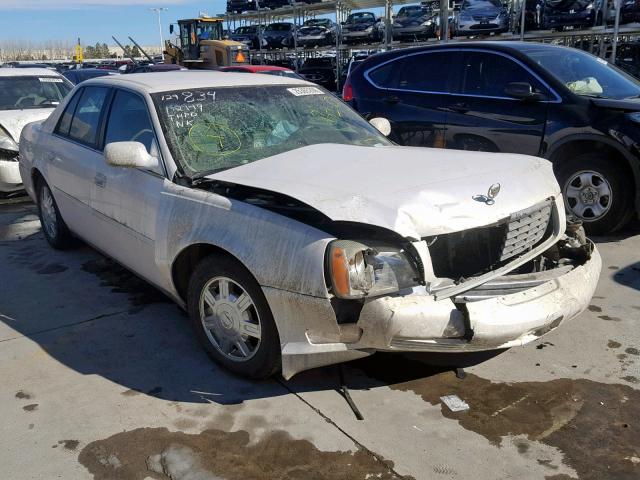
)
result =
(158, 10)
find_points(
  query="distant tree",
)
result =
(44, 57)
(105, 50)
(127, 51)
(89, 52)
(135, 52)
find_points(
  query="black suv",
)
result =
(555, 102)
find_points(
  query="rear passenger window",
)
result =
(428, 72)
(65, 120)
(488, 74)
(84, 126)
(129, 121)
(382, 76)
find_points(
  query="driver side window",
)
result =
(129, 122)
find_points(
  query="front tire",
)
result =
(596, 191)
(232, 319)
(55, 230)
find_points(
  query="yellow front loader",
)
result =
(201, 46)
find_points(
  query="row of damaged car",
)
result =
(413, 22)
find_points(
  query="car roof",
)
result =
(28, 72)
(502, 46)
(258, 68)
(164, 82)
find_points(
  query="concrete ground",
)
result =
(102, 378)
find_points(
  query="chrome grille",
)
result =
(525, 229)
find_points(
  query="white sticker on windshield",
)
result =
(302, 91)
(50, 79)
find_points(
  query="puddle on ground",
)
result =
(213, 455)
(596, 425)
(122, 280)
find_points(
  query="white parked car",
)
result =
(26, 95)
(294, 233)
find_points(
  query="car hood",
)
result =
(409, 21)
(13, 121)
(485, 12)
(627, 104)
(313, 30)
(416, 192)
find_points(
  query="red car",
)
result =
(268, 69)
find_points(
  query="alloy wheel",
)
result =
(48, 212)
(588, 194)
(230, 319)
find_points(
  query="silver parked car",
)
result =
(482, 17)
(293, 232)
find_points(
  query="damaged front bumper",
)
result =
(508, 311)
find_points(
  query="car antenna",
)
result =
(123, 50)
(141, 49)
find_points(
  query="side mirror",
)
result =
(171, 29)
(382, 125)
(129, 155)
(343, 23)
(522, 91)
(456, 8)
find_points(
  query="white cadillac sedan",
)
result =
(293, 232)
(26, 95)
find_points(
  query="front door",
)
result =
(126, 199)
(483, 117)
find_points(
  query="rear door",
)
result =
(413, 93)
(481, 115)
(74, 158)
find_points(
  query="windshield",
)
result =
(17, 93)
(279, 27)
(471, 4)
(415, 11)
(245, 30)
(210, 130)
(321, 22)
(585, 74)
(361, 17)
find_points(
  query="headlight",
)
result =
(589, 7)
(465, 18)
(358, 271)
(369, 29)
(6, 142)
(428, 23)
(634, 117)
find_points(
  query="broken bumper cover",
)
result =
(494, 323)
(417, 322)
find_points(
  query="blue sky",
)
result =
(95, 20)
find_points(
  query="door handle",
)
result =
(459, 107)
(100, 180)
(392, 99)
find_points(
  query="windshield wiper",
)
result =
(199, 177)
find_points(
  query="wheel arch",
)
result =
(578, 144)
(185, 262)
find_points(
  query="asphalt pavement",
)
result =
(102, 378)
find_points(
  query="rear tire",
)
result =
(232, 319)
(597, 191)
(55, 230)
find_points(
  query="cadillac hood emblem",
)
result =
(494, 190)
(489, 198)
